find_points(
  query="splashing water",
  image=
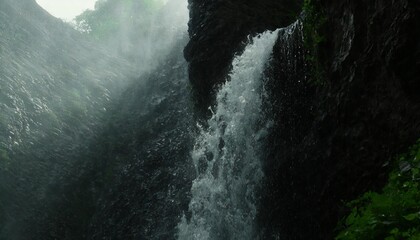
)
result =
(226, 155)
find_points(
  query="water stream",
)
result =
(226, 154)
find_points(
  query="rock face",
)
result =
(217, 32)
(330, 142)
(55, 87)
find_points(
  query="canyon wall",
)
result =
(335, 134)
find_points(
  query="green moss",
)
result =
(395, 212)
(314, 35)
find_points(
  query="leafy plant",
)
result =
(392, 214)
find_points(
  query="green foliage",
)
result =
(313, 25)
(394, 213)
(97, 24)
(112, 16)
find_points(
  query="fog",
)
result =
(142, 31)
(66, 10)
(58, 84)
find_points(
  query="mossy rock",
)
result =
(314, 20)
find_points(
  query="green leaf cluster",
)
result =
(112, 16)
(395, 212)
(313, 34)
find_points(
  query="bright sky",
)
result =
(66, 9)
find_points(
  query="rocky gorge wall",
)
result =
(334, 137)
(218, 30)
(55, 89)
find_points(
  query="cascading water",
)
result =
(226, 154)
(131, 178)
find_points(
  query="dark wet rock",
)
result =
(149, 192)
(55, 87)
(218, 31)
(133, 180)
(330, 143)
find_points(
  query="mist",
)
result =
(60, 83)
(209, 120)
(66, 10)
(142, 32)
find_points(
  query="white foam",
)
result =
(225, 155)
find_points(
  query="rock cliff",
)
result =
(333, 137)
(218, 31)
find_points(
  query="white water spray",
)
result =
(226, 155)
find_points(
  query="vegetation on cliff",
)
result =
(395, 212)
(110, 17)
(313, 27)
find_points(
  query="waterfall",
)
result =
(226, 153)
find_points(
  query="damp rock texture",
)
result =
(331, 140)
